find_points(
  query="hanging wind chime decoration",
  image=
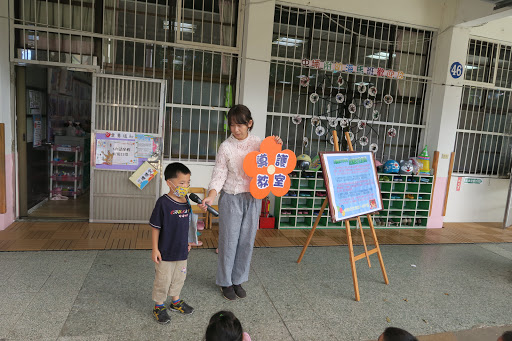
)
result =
(336, 103)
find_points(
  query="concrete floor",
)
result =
(106, 295)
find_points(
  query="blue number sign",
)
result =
(456, 70)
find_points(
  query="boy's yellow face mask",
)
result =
(179, 191)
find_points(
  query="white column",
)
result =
(446, 93)
(6, 115)
(255, 64)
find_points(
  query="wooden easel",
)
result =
(353, 258)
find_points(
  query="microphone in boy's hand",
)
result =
(198, 200)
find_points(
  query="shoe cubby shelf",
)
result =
(406, 202)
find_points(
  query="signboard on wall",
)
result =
(120, 150)
(352, 184)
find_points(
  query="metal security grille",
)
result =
(484, 131)
(134, 107)
(128, 105)
(54, 32)
(308, 34)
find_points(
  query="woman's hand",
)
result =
(278, 139)
(207, 200)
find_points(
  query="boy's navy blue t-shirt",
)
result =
(171, 217)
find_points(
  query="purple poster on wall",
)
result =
(118, 150)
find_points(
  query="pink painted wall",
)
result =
(8, 218)
(436, 216)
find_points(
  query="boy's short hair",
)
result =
(507, 336)
(172, 170)
(397, 334)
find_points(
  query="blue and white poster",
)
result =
(352, 185)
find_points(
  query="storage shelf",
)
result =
(74, 182)
(398, 211)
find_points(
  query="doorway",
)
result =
(53, 131)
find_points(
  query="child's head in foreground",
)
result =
(396, 334)
(224, 326)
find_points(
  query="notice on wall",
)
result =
(115, 152)
(38, 130)
(352, 185)
(120, 150)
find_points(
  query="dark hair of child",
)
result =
(397, 334)
(240, 114)
(172, 170)
(224, 326)
(507, 336)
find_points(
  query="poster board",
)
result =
(119, 150)
(352, 184)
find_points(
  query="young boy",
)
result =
(170, 222)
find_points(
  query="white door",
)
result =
(133, 106)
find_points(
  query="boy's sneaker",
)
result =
(239, 291)
(181, 307)
(161, 315)
(229, 293)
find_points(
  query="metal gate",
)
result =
(127, 105)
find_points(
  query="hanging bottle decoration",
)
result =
(374, 147)
(391, 132)
(340, 98)
(344, 122)
(361, 88)
(315, 120)
(352, 108)
(305, 141)
(372, 91)
(296, 119)
(361, 124)
(331, 140)
(333, 122)
(304, 81)
(375, 114)
(320, 131)
(350, 135)
(341, 81)
(368, 103)
(388, 99)
(314, 97)
(363, 141)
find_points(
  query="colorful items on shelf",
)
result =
(424, 161)
(391, 166)
(406, 167)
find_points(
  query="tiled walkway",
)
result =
(34, 236)
(103, 295)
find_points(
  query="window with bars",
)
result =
(484, 130)
(392, 130)
(193, 44)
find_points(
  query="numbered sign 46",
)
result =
(456, 70)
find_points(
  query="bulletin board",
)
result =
(352, 184)
(118, 150)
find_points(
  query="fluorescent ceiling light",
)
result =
(470, 67)
(284, 82)
(185, 27)
(380, 55)
(287, 42)
(362, 83)
(177, 62)
(312, 76)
